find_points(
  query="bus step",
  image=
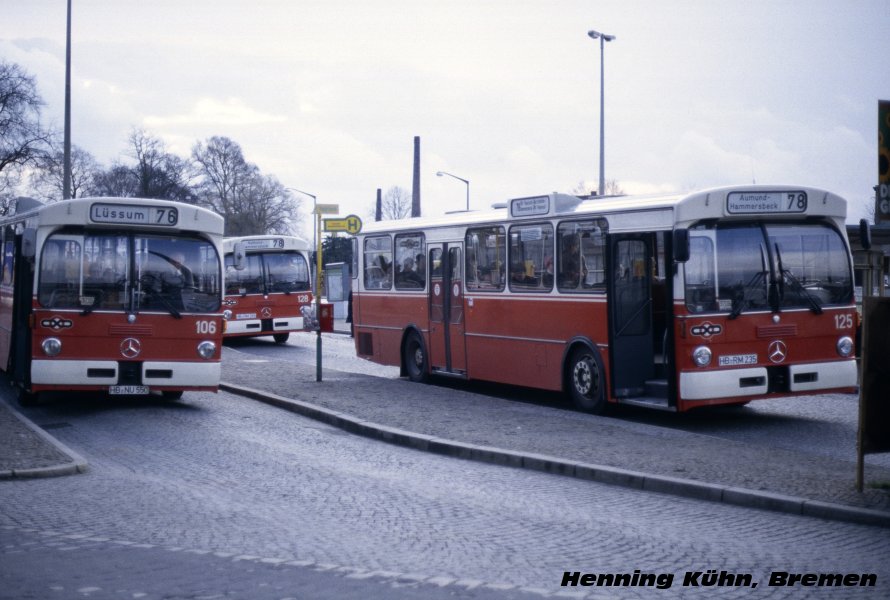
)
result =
(649, 402)
(657, 388)
(444, 373)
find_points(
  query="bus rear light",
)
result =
(206, 349)
(701, 356)
(51, 346)
(845, 346)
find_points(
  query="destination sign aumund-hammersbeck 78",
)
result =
(129, 214)
(766, 202)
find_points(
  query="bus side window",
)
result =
(409, 262)
(378, 262)
(580, 256)
(486, 254)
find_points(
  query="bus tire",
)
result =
(171, 394)
(586, 381)
(26, 397)
(280, 338)
(415, 358)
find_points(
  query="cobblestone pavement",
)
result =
(218, 497)
(453, 412)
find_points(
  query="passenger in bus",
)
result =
(408, 276)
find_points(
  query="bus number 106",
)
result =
(205, 327)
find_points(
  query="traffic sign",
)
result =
(351, 224)
(326, 209)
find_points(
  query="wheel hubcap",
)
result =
(583, 377)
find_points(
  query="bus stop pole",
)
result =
(318, 296)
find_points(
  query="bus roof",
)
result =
(114, 212)
(648, 212)
(258, 243)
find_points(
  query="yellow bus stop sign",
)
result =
(351, 224)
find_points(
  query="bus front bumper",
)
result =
(755, 381)
(107, 372)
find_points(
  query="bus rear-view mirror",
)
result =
(681, 245)
(239, 256)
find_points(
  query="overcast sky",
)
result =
(328, 95)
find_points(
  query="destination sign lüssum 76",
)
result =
(134, 215)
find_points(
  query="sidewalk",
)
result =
(26, 450)
(451, 421)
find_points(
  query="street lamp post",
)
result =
(316, 239)
(603, 38)
(440, 173)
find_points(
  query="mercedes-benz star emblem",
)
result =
(130, 348)
(777, 351)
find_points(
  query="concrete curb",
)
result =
(686, 488)
(76, 465)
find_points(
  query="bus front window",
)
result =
(754, 266)
(286, 272)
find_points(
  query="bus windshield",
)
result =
(736, 267)
(128, 272)
(268, 272)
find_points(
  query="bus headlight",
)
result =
(51, 346)
(845, 346)
(702, 356)
(206, 349)
(227, 315)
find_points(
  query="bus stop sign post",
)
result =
(320, 209)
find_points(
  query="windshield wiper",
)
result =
(797, 286)
(742, 303)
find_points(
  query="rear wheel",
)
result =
(585, 381)
(280, 338)
(415, 359)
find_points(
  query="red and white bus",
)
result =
(267, 285)
(675, 302)
(121, 295)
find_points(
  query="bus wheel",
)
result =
(171, 394)
(27, 398)
(586, 381)
(280, 338)
(414, 358)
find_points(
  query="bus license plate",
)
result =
(127, 390)
(734, 360)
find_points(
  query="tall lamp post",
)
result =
(316, 242)
(440, 173)
(603, 38)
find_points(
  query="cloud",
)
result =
(211, 111)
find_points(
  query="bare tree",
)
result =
(396, 204)
(47, 181)
(159, 174)
(613, 188)
(23, 140)
(250, 202)
(118, 181)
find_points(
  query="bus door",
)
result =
(447, 324)
(630, 313)
(23, 278)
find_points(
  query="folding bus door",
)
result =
(630, 313)
(447, 351)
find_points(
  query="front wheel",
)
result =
(280, 338)
(415, 359)
(586, 382)
(27, 398)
